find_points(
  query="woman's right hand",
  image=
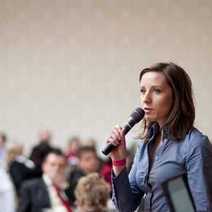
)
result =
(118, 139)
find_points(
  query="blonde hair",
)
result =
(92, 193)
(13, 151)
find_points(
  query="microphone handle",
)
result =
(109, 147)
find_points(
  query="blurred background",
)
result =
(72, 66)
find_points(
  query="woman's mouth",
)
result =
(148, 110)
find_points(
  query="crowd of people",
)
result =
(48, 178)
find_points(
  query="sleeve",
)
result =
(125, 192)
(24, 201)
(16, 171)
(199, 172)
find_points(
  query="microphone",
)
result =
(134, 118)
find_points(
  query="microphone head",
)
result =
(137, 115)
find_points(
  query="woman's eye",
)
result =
(157, 91)
(142, 91)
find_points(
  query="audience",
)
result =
(47, 180)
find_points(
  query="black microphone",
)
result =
(134, 118)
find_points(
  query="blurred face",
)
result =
(74, 146)
(89, 162)
(54, 166)
(2, 142)
(44, 136)
(156, 97)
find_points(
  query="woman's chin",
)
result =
(150, 118)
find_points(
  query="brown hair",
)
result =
(85, 149)
(182, 114)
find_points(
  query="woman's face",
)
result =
(156, 97)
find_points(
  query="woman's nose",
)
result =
(147, 97)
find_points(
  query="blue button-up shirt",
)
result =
(192, 155)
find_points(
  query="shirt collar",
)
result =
(47, 180)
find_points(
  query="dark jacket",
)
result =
(20, 170)
(34, 196)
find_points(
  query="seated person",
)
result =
(88, 163)
(20, 168)
(47, 193)
(92, 194)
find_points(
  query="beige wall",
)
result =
(72, 66)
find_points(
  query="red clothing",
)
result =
(63, 199)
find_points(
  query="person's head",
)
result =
(88, 160)
(14, 151)
(74, 144)
(3, 139)
(54, 164)
(90, 142)
(92, 193)
(44, 136)
(166, 97)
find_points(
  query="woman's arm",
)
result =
(126, 193)
(199, 171)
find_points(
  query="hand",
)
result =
(118, 139)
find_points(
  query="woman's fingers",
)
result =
(116, 136)
(118, 132)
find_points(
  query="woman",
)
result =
(92, 193)
(178, 148)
